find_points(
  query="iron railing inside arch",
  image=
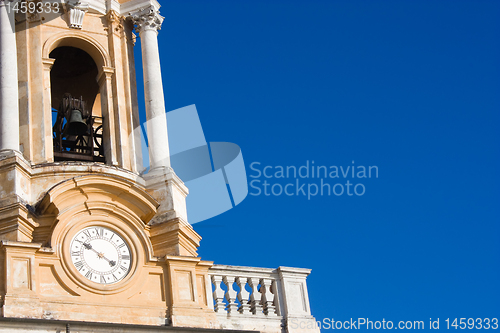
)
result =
(77, 135)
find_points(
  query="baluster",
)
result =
(218, 293)
(255, 297)
(243, 296)
(267, 297)
(274, 290)
(232, 306)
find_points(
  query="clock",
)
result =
(100, 255)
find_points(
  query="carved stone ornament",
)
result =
(148, 18)
(113, 16)
(76, 12)
(114, 19)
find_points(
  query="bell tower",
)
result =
(84, 234)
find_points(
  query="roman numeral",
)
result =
(88, 275)
(99, 231)
(75, 253)
(114, 277)
(79, 265)
(121, 245)
(102, 279)
(87, 233)
(126, 257)
(123, 268)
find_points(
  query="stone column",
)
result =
(148, 23)
(171, 234)
(9, 104)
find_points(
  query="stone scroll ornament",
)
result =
(214, 172)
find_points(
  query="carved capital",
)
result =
(105, 74)
(113, 16)
(115, 21)
(148, 18)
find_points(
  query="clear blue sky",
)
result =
(409, 86)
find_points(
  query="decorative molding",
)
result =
(76, 13)
(137, 5)
(113, 16)
(48, 63)
(133, 39)
(148, 18)
(115, 21)
(85, 41)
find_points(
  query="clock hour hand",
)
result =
(99, 254)
(111, 262)
(89, 247)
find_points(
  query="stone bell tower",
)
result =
(70, 167)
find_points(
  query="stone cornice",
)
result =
(134, 6)
(103, 7)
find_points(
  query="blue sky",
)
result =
(411, 87)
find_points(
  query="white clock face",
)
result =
(100, 255)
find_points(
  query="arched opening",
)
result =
(76, 106)
(74, 72)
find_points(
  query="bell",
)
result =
(75, 126)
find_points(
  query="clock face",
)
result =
(100, 255)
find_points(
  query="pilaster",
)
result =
(189, 290)
(292, 288)
(47, 64)
(116, 34)
(16, 222)
(39, 97)
(105, 82)
(19, 279)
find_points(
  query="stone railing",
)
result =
(263, 299)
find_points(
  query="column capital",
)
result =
(148, 18)
(105, 73)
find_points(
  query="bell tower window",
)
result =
(76, 106)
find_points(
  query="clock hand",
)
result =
(88, 246)
(111, 262)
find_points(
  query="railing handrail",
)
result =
(247, 271)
